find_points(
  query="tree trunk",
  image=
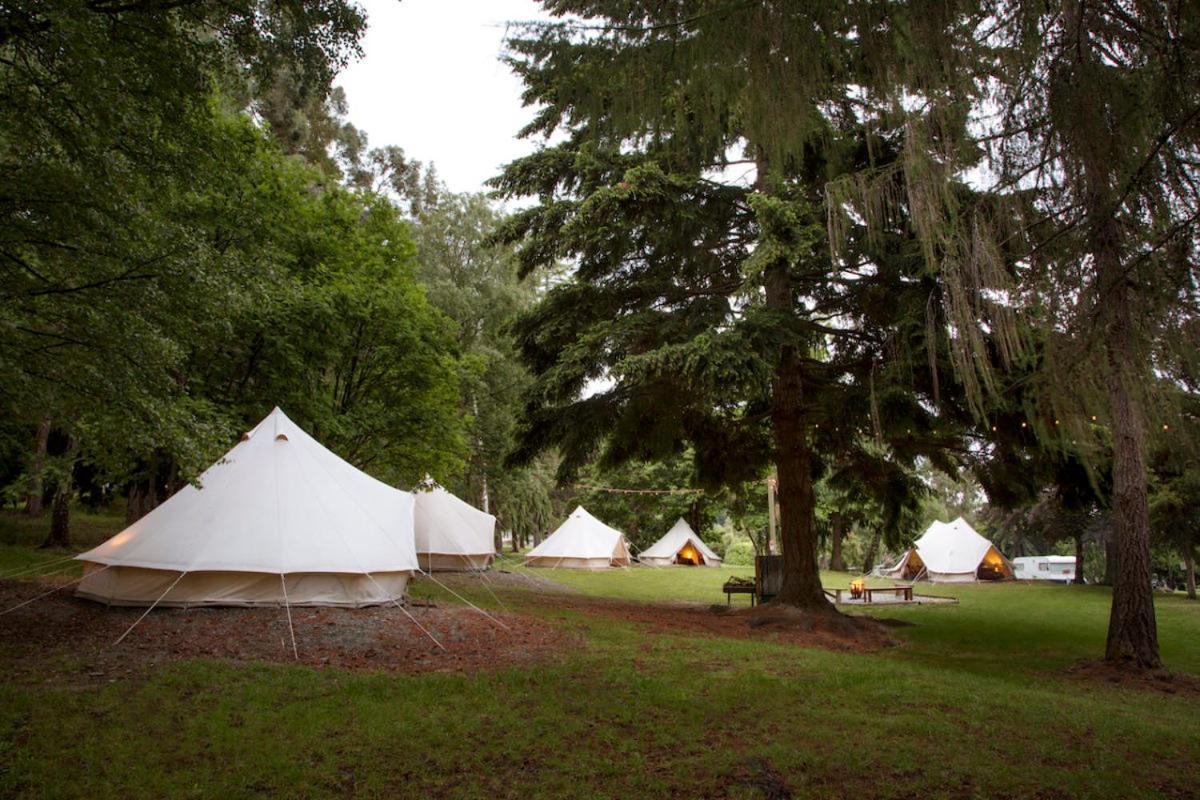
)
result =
(60, 507)
(1189, 565)
(60, 518)
(133, 503)
(801, 585)
(872, 551)
(1078, 558)
(835, 543)
(1132, 632)
(35, 489)
(1132, 629)
(152, 497)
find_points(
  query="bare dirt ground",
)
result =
(1152, 680)
(843, 632)
(81, 635)
(64, 628)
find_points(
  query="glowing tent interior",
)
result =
(952, 552)
(680, 545)
(582, 542)
(278, 520)
(452, 534)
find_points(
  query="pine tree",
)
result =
(714, 307)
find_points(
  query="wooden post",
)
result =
(772, 514)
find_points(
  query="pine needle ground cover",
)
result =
(979, 699)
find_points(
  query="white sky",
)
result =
(431, 82)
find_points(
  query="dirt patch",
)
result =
(1127, 677)
(843, 632)
(758, 774)
(61, 628)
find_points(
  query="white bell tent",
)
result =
(279, 520)
(952, 552)
(452, 534)
(582, 542)
(680, 545)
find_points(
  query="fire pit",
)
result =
(856, 588)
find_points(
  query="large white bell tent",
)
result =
(279, 520)
(952, 552)
(452, 534)
(680, 545)
(582, 542)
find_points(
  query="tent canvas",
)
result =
(952, 552)
(278, 520)
(452, 534)
(680, 545)
(582, 542)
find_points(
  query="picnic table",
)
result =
(739, 586)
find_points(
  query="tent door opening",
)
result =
(689, 556)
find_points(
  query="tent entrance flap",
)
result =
(994, 567)
(688, 555)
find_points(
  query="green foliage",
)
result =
(667, 309)
(170, 275)
(474, 282)
(648, 509)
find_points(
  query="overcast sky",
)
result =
(431, 82)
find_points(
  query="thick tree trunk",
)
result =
(60, 517)
(60, 506)
(1132, 632)
(1078, 558)
(872, 551)
(836, 564)
(35, 489)
(793, 460)
(133, 503)
(1189, 564)
(1132, 629)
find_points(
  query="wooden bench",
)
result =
(905, 592)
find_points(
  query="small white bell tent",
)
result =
(582, 542)
(452, 534)
(680, 545)
(952, 552)
(279, 520)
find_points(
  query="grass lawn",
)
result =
(976, 702)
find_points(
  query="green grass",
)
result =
(20, 537)
(975, 703)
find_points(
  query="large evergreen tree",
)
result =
(714, 307)
(1094, 123)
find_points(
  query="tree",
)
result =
(112, 137)
(1098, 128)
(717, 310)
(474, 282)
(643, 500)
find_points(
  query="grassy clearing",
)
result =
(20, 537)
(974, 704)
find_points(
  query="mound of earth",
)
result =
(1130, 677)
(60, 628)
